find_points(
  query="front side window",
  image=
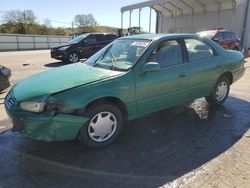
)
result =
(119, 55)
(167, 53)
(227, 35)
(198, 50)
(78, 39)
(91, 38)
(219, 36)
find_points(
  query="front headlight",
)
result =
(33, 106)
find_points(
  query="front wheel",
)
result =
(220, 92)
(105, 125)
(73, 57)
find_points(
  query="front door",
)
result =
(166, 87)
(88, 46)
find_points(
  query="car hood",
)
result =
(60, 46)
(59, 79)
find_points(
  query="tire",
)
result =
(73, 57)
(220, 92)
(102, 115)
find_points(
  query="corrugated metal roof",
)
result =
(183, 7)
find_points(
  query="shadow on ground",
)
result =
(55, 64)
(152, 151)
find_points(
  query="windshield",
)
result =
(77, 39)
(119, 55)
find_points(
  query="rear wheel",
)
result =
(73, 57)
(105, 125)
(220, 92)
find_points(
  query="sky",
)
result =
(106, 12)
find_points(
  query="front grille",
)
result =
(10, 100)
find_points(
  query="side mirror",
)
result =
(151, 67)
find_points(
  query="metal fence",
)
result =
(10, 42)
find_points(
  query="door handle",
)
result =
(219, 66)
(182, 75)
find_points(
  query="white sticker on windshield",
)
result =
(140, 43)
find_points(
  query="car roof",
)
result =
(158, 36)
(215, 31)
(101, 33)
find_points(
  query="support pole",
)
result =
(72, 27)
(162, 18)
(244, 25)
(150, 12)
(234, 13)
(204, 19)
(157, 22)
(130, 12)
(175, 17)
(139, 17)
(219, 14)
(122, 20)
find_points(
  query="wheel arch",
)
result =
(229, 75)
(75, 51)
(114, 100)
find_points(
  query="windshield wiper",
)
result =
(101, 56)
(108, 50)
(113, 60)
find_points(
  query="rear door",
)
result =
(205, 65)
(166, 87)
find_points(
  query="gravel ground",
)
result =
(190, 146)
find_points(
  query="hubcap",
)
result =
(102, 126)
(221, 91)
(73, 58)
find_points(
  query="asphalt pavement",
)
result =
(190, 146)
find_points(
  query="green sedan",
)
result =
(127, 79)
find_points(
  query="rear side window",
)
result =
(198, 50)
(167, 53)
(234, 36)
(106, 37)
(91, 38)
(101, 37)
(111, 37)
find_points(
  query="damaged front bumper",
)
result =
(48, 128)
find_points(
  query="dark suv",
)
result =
(82, 46)
(227, 39)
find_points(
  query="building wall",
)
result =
(29, 42)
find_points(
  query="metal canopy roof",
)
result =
(183, 7)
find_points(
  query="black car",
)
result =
(82, 46)
(5, 74)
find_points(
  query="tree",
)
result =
(82, 20)
(20, 19)
(29, 16)
(17, 16)
(47, 22)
